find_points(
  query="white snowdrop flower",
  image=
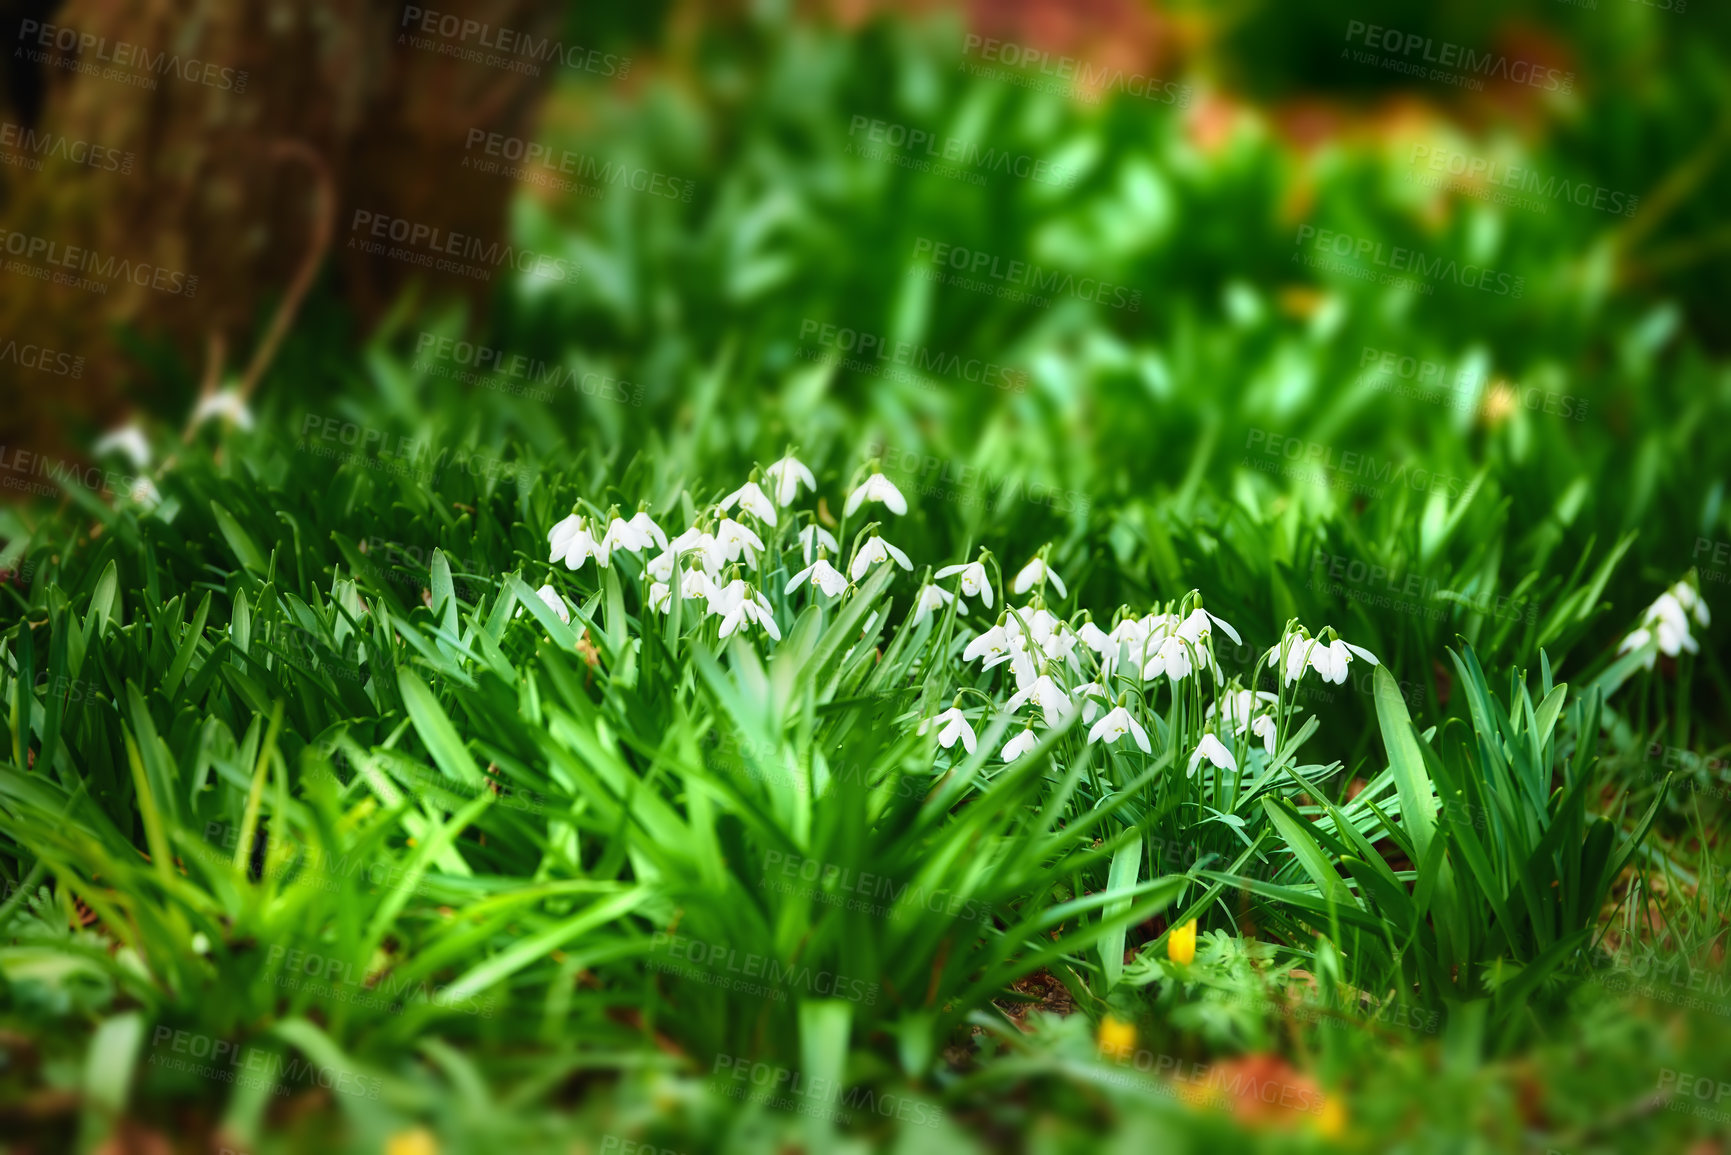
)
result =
(931, 599)
(877, 487)
(1638, 638)
(1211, 748)
(722, 598)
(1297, 650)
(1667, 622)
(1691, 600)
(815, 535)
(1117, 723)
(225, 403)
(660, 567)
(1331, 661)
(1035, 623)
(1032, 573)
(1266, 729)
(786, 476)
(621, 535)
(874, 551)
(1097, 639)
(129, 441)
(694, 585)
(822, 575)
(1091, 694)
(1022, 665)
(550, 597)
(1019, 745)
(953, 725)
(1046, 694)
(144, 492)
(975, 581)
(1135, 631)
(993, 645)
(733, 540)
(577, 545)
(752, 500)
(647, 529)
(559, 537)
(747, 607)
(1173, 658)
(1239, 707)
(1199, 625)
(1059, 642)
(660, 596)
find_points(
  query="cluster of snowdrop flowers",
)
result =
(1056, 667)
(1664, 626)
(716, 559)
(1060, 667)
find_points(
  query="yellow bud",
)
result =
(1116, 1037)
(1181, 943)
(1331, 1120)
(416, 1141)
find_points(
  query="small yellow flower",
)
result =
(1331, 1120)
(1116, 1037)
(1181, 943)
(1498, 403)
(416, 1141)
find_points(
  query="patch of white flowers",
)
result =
(1146, 684)
(1664, 627)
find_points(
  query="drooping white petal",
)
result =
(816, 535)
(1211, 748)
(647, 529)
(554, 602)
(877, 487)
(752, 500)
(955, 725)
(785, 478)
(1019, 745)
(128, 440)
(224, 403)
